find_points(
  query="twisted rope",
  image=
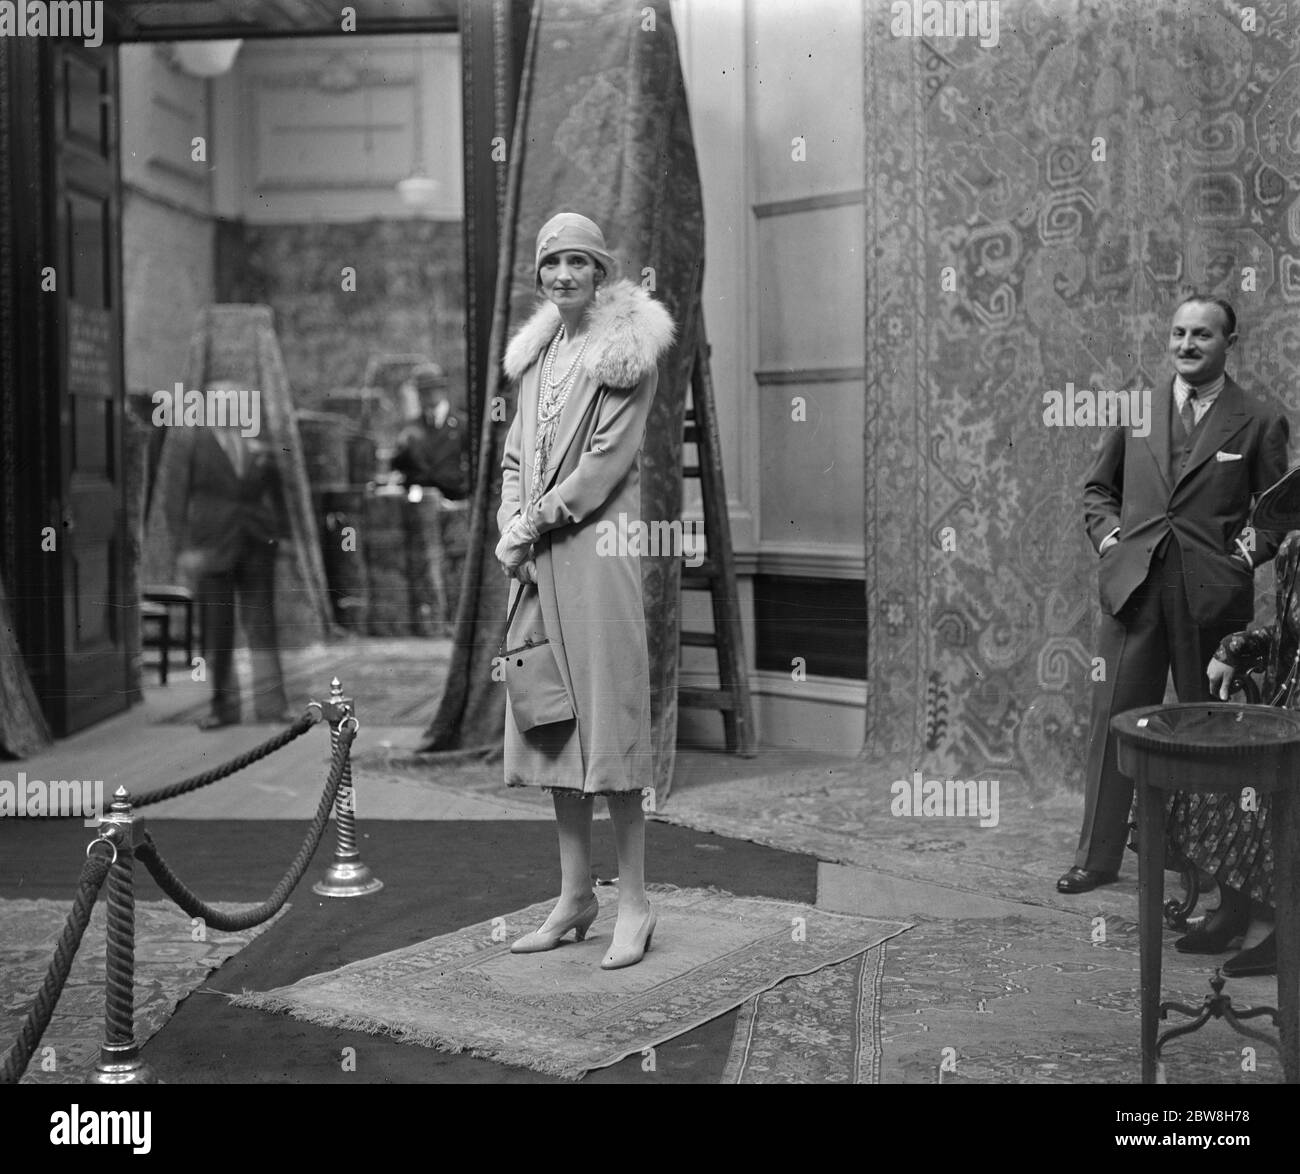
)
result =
(91, 881)
(270, 746)
(179, 892)
(119, 990)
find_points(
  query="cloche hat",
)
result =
(569, 230)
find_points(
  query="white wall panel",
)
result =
(809, 289)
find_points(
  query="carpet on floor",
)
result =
(173, 955)
(1030, 1001)
(438, 877)
(819, 1028)
(558, 1012)
(847, 815)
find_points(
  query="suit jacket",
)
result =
(217, 510)
(1240, 450)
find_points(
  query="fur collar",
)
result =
(630, 331)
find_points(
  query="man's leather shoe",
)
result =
(1081, 880)
(1258, 960)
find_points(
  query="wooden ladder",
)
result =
(717, 573)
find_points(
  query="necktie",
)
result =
(1188, 412)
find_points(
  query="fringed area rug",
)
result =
(820, 1028)
(169, 966)
(558, 1012)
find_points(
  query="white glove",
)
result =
(516, 543)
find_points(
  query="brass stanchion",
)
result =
(347, 876)
(119, 1056)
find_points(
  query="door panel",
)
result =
(89, 387)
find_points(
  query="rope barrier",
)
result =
(304, 723)
(126, 839)
(93, 873)
(148, 853)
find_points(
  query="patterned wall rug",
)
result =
(558, 1012)
(1034, 212)
(169, 966)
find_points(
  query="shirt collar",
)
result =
(1207, 393)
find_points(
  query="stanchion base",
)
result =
(347, 878)
(121, 1064)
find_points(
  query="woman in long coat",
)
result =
(586, 365)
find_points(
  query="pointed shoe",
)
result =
(548, 939)
(620, 956)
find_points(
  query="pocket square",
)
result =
(1227, 456)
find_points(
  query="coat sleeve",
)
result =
(615, 442)
(510, 473)
(1103, 492)
(1269, 466)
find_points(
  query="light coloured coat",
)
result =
(588, 601)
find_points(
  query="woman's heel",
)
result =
(580, 928)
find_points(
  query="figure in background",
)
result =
(430, 449)
(432, 460)
(1166, 513)
(586, 366)
(228, 521)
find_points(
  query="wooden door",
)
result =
(87, 381)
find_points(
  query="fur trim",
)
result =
(630, 332)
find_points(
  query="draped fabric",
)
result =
(23, 729)
(1034, 213)
(602, 129)
(237, 343)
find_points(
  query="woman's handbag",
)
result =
(533, 682)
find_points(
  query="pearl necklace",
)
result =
(554, 394)
(554, 351)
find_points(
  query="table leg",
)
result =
(1286, 891)
(1151, 896)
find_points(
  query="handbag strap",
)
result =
(510, 619)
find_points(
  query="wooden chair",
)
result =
(156, 609)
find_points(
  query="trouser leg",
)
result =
(256, 580)
(217, 607)
(1135, 656)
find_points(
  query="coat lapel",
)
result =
(1226, 417)
(1158, 439)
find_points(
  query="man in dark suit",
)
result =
(227, 521)
(1166, 513)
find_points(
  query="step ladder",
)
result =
(717, 573)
